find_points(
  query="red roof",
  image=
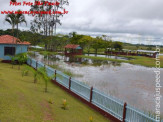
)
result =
(72, 46)
(7, 39)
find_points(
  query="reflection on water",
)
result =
(84, 61)
(109, 56)
(131, 83)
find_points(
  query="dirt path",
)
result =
(47, 111)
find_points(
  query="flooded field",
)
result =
(108, 56)
(131, 83)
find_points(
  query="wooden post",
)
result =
(69, 83)
(91, 93)
(124, 112)
(55, 75)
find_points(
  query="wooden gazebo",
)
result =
(72, 49)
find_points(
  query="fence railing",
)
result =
(109, 104)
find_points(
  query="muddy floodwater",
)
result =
(133, 84)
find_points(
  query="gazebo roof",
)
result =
(73, 46)
(7, 39)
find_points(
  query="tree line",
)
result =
(96, 43)
(57, 42)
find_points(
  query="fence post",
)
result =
(36, 64)
(124, 112)
(55, 75)
(91, 92)
(30, 62)
(69, 83)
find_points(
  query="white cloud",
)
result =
(106, 16)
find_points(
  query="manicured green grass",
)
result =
(145, 61)
(137, 60)
(23, 101)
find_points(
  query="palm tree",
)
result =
(36, 74)
(43, 73)
(22, 58)
(11, 19)
(13, 58)
(20, 18)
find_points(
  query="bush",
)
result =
(91, 119)
(51, 101)
(64, 104)
(24, 73)
(22, 58)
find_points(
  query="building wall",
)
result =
(18, 49)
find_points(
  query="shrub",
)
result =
(50, 101)
(43, 74)
(22, 58)
(64, 104)
(91, 119)
(36, 74)
(24, 73)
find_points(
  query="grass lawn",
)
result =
(145, 61)
(137, 60)
(23, 101)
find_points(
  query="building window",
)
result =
(9, 51)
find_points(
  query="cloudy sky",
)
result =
(133, 21)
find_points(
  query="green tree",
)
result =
(104, 37)
(35, 39)
(19, 18)
(22, 58)
(72, 34)
(36, 74)
(118, 46)
(23, 38)
(97, 43)
(106, 44)
(43, 73)
(75, 38)
(11, 19)
(86, 42)
(83, 41)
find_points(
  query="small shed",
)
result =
(72, 49)
(10, 45)
(147, 53)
